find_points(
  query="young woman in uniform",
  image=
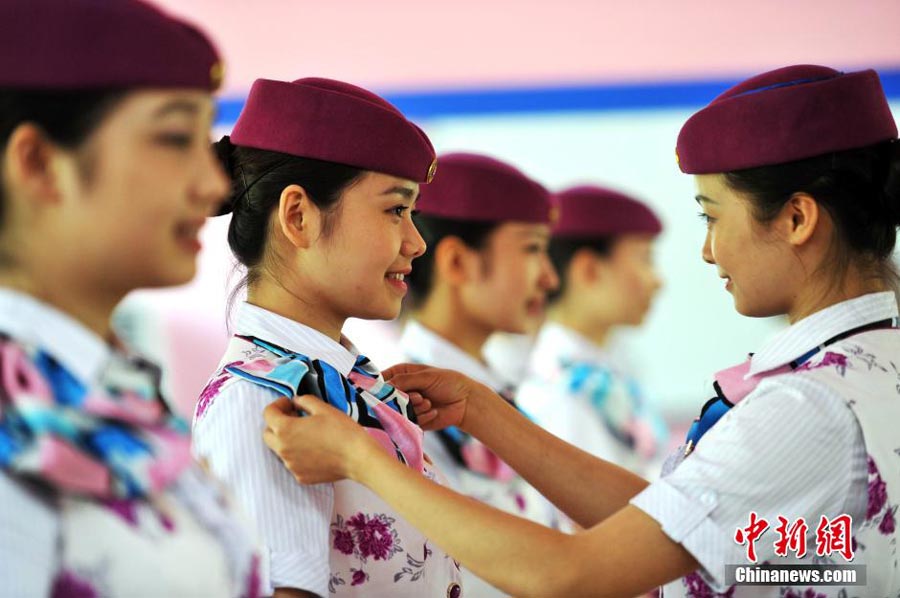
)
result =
(576, 386)
(798, 178)
(487, 226)
(325, 176)
(107, 178)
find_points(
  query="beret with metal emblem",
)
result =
(101, 44)
(480, 188)
(590, 211)
(784, 115)
(337, 122)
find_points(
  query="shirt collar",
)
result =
(77, 348)
(261, 323)
(426, 346)
(816, 329)
(555, 342)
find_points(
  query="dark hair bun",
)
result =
(892, 181)
(225, 154)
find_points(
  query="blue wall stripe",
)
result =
(579, 98)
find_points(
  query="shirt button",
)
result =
(454, 590)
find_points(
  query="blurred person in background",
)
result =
(578, 387)
(798, 179)
(107, 179)
(487, 226)
(325, 176)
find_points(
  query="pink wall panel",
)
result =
(402, 44)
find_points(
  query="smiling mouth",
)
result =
(188, 234)
(399, 276)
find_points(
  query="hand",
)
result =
(321, 447)
(441, 398)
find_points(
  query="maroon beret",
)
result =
(91, 44)
(784, 115)
(589, 211)
(475, 187)
(334, 121)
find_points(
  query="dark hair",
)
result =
(66, 117)
(472, 233)
(561, 252)
(859, 188)
(257, 180)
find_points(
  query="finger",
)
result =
(424, 407)
(310, 404)
(402, 368)
(424, 418)
(275, 413)
(410, 382)
(416, 398)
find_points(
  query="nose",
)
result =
(413, 245)
(549, 277)
(656, 281)
(706, 252)
(213, 185)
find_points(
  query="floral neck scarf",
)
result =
(117, 439)
(363, 394)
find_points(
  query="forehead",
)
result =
(379, 183)
(142, 107)
(521, 231)
(711, 185)
(631, 242)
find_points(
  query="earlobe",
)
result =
(295, 217)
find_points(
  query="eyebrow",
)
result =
(177, 106)
(405, 192)
(704, 199)
(535, 234)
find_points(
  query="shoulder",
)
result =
(226, 395)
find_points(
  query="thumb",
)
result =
(310, 404)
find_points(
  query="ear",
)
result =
(298, 216)
(586, 267)
(799, 218)
(30, 164)
(454, 261)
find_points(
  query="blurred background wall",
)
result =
(571, 91)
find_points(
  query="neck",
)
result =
(454, 326)
(269, 294)
(825, 294)
(566, 313)
(79, 297)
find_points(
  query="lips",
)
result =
(535, 306)
(187, 233)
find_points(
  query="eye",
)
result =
(398, 211)
(176, 140)
(706, 218)
(535, 248)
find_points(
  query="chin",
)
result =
(754, 310)
(172, 277)
(522, 326)
(386, 312)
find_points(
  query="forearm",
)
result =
(585, 488)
